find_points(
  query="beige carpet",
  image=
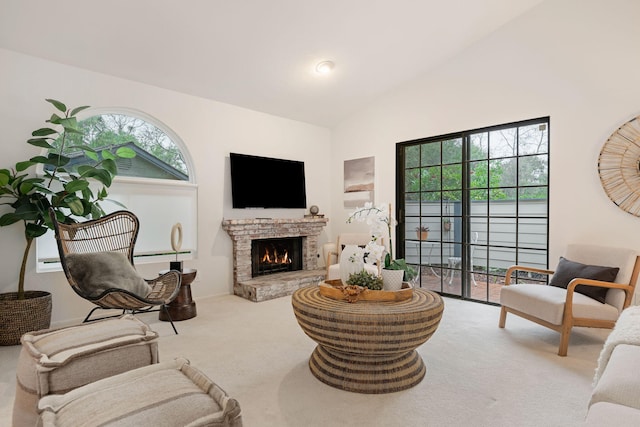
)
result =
(477, 374)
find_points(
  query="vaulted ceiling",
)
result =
(258, 54)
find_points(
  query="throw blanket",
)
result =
(626, 331)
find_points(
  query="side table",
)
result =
(183, 307)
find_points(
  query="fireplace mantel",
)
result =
(243, 231)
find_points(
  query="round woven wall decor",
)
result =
(619, 167)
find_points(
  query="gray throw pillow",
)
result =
(568, 270)
(96, 272)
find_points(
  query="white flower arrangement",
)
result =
(380, 221)
(378, 218)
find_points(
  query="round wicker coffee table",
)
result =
(367, 346)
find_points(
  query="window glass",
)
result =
(157, 155)
(157, 179)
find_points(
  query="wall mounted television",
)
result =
(264, 182)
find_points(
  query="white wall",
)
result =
(209, 129)
(576, 61)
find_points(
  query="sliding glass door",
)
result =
(472, 203)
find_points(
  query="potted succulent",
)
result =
(422, 232)
(28, 198)
(446, 224)
(365, 279)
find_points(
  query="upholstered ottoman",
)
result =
(165, 394)
(55, 361)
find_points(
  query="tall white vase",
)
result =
(392, 279)
(350, 262)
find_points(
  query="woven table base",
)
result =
(367, 346)
(372, 375)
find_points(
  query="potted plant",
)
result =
(380, 220)
(28, 198)
(422, 232)
(401, 264)
(446, 224)
(365, 279)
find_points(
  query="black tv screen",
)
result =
(264, 182)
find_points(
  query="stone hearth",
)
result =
(261, 288)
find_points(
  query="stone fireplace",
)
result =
(280, 282)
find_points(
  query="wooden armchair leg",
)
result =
(564, 341)
(503, 317)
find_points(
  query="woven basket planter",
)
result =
(18, 317)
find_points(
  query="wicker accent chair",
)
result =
(115, 232)
(560, 308)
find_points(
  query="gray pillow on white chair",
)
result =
(96, 272)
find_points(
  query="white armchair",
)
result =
(561, 308)
(332, 251)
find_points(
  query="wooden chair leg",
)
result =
(503, 317)
(564, 340)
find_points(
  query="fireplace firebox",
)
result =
(276, 255)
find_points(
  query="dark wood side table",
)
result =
(183, 307)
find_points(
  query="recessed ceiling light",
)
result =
(324, 67)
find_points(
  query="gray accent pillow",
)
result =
(96, 272)
(568, 270)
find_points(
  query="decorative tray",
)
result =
(334, 289)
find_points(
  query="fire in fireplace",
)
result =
(279, 255)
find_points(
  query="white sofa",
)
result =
(615, 399)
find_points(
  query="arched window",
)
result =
(158, 184)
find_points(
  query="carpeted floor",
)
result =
(477, 374)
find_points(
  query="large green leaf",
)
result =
(78, 109)
(8, 219)
(4, 178)
(125, 153)
(55, 119)
(44, 189)
(44, 132)
(110, 165)
(26, 187)
(76, 185)
(59, 105)
(106, 154)
(85, 170)
(20, 166)
(75, 205)
(34, 180)
(40, 142)
(102, 175)
(92, 155)
(69, 124)
(97, 211)
(34, 230)
(28, 212)
(17, 180)
(39, 159)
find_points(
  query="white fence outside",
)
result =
(499, 225)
